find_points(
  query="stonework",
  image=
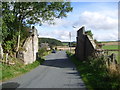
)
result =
(29, 54)
(85, 45)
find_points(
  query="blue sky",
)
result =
(99, 17)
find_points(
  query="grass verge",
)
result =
(95, 74)
(11, 71)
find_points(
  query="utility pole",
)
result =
(70, 41)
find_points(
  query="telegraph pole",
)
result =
(70, 40)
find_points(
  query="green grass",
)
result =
(94, 74)
(11, 71)
(109, 47)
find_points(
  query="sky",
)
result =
(99, 17)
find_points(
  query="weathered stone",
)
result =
(29, 55)
(85, 45)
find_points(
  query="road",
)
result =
(56, 72)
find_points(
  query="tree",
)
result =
(16, 15)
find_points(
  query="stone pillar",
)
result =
(35, 44)
(80, 43)
(85, 45)
(29, 54)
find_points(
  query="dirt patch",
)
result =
(111, 43)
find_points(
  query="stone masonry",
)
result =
(85, 45)
(29, 54)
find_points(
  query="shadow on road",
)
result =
(10, 85)
(60, 63)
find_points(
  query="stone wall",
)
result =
(30, 48)
(85, 45)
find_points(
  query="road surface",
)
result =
(56, 72)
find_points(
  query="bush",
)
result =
(41, 52)
(69, 54)
(95, 74)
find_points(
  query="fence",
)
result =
(110, 60)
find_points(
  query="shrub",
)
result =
(41, 52)
(95, 73)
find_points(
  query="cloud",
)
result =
(103, 24)
(97, 21)
(62, 35)
(106, 36)
(59, 34)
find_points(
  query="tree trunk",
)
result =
(18, 42)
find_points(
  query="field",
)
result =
(113, 47)
(109, 47)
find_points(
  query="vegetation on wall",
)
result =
(89, 33)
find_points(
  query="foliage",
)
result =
(50, 41)
(68, 53)
(89, 33)
(95, 75)
(41, 52)
(19, 16)
(35, 12)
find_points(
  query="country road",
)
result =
(56, 72)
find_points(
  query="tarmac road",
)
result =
(56, 72)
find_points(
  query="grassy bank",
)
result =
(95, 75)
(11, 71)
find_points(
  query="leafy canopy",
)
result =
(18, 16)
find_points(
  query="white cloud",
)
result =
(62, 35)
(106, 36)
(97, 21)
(104, 25)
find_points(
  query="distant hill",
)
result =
(73, 44)
(50, 41)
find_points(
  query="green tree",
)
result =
(17, 15)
